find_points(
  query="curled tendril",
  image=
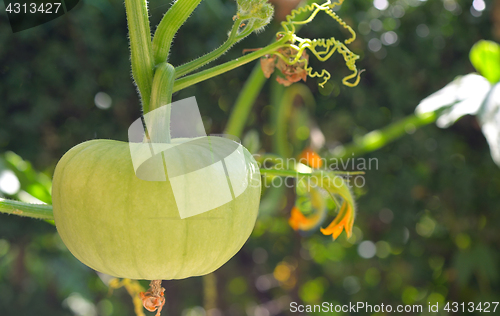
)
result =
(323, 48)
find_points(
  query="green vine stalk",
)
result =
(168, 27)
(140, 48)
(190, 80)
(39, 211)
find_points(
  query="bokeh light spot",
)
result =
(259, 255)
(374, 44)
(237, 286)
(383, 249)
(102, 100)
(422, 30)
(389, 38)
(367, 249)
(351, 285)
(381, 4)
(386, 215)
(462, 241)
(425, 227)
(9, 184)
(479, 5)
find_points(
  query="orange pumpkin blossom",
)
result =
(343, 220)
(298, 221)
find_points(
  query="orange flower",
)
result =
(343, 220)
(335, 186)
(296, 218)
(311, 158)
(298, 221)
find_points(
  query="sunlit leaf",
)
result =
(485, 57)
(471, 94)
(489, 118)
(462, 96)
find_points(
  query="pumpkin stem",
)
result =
(154, 298)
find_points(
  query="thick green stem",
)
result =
(217, 70)
(140, 48)
(161, 95)
(163, 85)
(245, 101)
(379, 138)
(40, 211)
(168, 27)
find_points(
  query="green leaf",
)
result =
(485, 57)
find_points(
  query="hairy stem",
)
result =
(40, 211)
(140, 48)
(163, 84)
(217, 70)
(213, 55)
(161, 95)
(168, 27)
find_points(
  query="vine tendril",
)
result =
(322, 48)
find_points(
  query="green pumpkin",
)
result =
(126, 227)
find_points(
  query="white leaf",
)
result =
(489, 118)
(462, 96)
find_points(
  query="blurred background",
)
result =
(426, 225)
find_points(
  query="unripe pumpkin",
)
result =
(126, 227)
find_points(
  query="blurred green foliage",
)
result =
(485, 56)
(426, 227)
